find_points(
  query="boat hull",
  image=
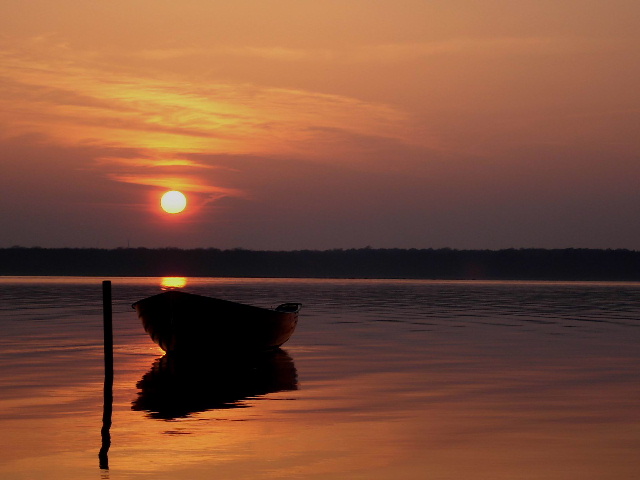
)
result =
(194, 324)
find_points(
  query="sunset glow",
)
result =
(418, 124)
(173, 202)
(168, 283)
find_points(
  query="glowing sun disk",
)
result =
(173, 202)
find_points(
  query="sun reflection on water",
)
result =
(170, 283)
(439, 380)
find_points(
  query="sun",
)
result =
(173, 202)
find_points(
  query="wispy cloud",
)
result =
(489, 47)
(154, 163)
(189, 183)
(392, 52)
(285, 54)
(76, 99)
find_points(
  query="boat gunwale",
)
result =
(205, 298)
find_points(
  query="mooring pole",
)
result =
(108, 375)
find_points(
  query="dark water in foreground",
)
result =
(382, 380)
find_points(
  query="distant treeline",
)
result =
(509, 264)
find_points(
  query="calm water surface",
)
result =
(382, 380)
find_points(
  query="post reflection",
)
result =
(178, 386)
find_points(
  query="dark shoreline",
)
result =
(438, 264)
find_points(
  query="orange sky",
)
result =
(332, 124)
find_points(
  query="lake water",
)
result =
(382, 380)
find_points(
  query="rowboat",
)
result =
(194, 324)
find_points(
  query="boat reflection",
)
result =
(178, 386)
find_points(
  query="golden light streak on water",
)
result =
(405, 390)
(168, 283)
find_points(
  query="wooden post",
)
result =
(108, 375)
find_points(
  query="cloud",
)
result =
(75, 98)
(153, 162)
(283, 54)
(392, 52)
(187, 183)
(491, 47)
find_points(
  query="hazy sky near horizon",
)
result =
(293, 124)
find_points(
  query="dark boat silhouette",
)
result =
(187, 323)
(177, 386)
